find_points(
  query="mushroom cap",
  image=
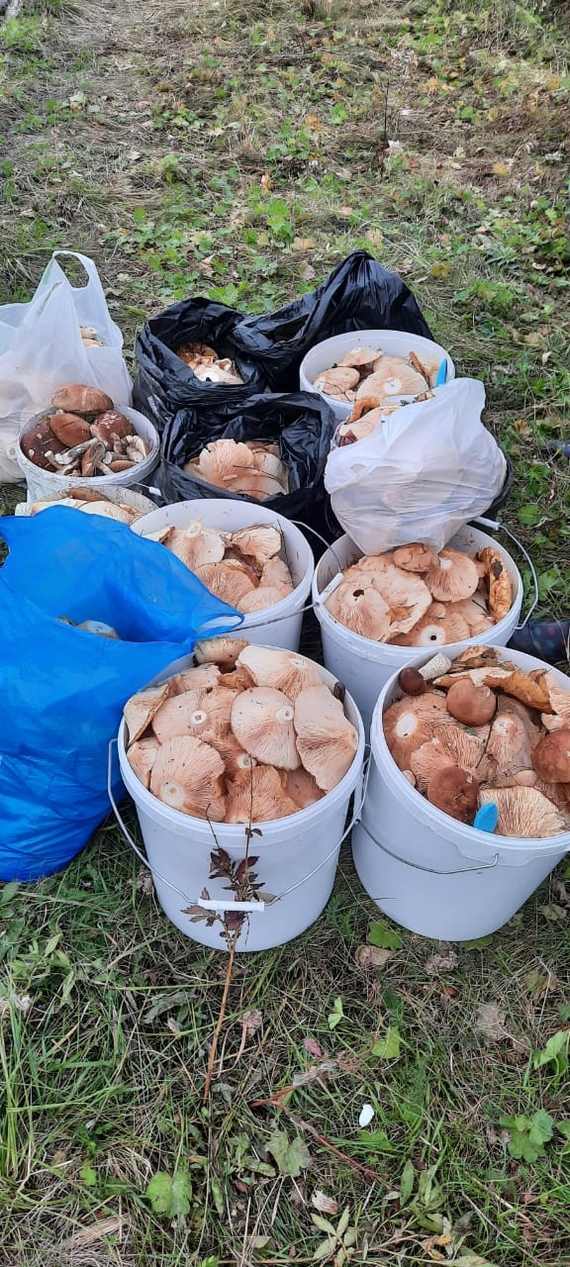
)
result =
(283, 670)
(261, 542)
(364, 426)
(359, 357)
(406, 595)
(357, 604)
(110, 424)
(141, 757)
(474, 612)
(454, 578)
(337, 381)
(302, 787)
(276, 572)
(200, 678)
(560, 703)
(262, 722)
(449, 746)
(370, 564)
(455, 792)
(410, 722)
(77, 398)
(415, 558)
(499, 582)
(196, 354)
(509, 744)
(255, 485)
(470, 704)
(551, 757)
(222, 651)
(437, 628)
(524, 812)
(264, 596)
(195, 545)
(222, 459)
(392, 376)
(195, 713)
(186, 776)
(140, 709)
(70, 429)
(228, 582)
(326, 740)
(258, 795)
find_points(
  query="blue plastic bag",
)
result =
(62, 689)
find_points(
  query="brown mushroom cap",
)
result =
(411, 682)
(455, 792)
(262, 722)
(283, 670)
(186, 776)
(326, 740)
(470, 704)
(77, 398)
(415, 557)
(39, 441)
(551, 757)
(523, 812)
(409, 723)
(454, 578)
(70, 429)
(357, 604)
(449, 746)
(258, 795)
(499, 582)
(110, 424)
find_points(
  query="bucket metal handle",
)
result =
(497, 527)
(257, 906)
(481, 866)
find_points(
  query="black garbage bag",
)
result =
(165, 384)
(359, 294)
(301, 423)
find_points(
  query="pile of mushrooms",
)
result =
(244, 568)
(480, 731)
(377, 385)
(249, 735)
(207, 365)
(91, 503)
(415, 597)
(90, 338)
(83, 435)
(251, 468)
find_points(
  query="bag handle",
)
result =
(93, 278)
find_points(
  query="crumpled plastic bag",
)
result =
(165, 384)
(359, 294)
(63, 689)
(41, 348)
(420, 475)
(301, 423)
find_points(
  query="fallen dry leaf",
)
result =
(441, 963)
(326, 1205)
(368, 957)
(490, 1022)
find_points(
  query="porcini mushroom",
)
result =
(76, 398)
(70, 429)
(470, 704)
(454, 578)
(551, 757)
(523, 812)
(262, 721)
(186, 777)
(326, 739)
(258, 795)
(455, 792)
(283, 670)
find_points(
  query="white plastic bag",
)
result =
(420, 475)
(41, 348)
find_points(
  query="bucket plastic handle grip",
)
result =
(481, 866)
(497, 527)
(256, 907)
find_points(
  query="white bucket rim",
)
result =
(461, 835)
(361, 338)
(228, 831)
(287, 606)
(367, 648)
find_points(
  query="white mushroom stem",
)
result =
(435, 667)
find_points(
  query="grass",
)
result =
(239, 150)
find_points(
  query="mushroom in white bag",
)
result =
(423, 472)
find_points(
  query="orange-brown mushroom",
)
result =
(523, 812)
(142, 707)
(262, 721)
(326, 739)
(258, 795)
(186, 777)
(470, 704)
(551, 757)
(409, 723)
(283, 670)
(454, 578)
(455, 792)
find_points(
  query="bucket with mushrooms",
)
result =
(362, 370)
(82, 440)
(241, 768)
(255, 560)
(374, 609)
(468, 802)
(124, 504)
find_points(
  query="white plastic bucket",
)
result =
(433, 875)
(296, 857)
(391, 342)
(281, 623)
(41, 483)
(128, 496)
(365, 666)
